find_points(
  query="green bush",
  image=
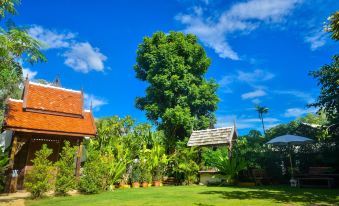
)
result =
(92, 180)
(184, 163)
(136, 173)
(65, 179)
(38, 181)
(3, 167)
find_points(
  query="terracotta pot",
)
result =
(246, 184)
(145, 184)
(123, 185)
(135, 184)
(156, 183)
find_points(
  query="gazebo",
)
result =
(49, 115)
(224, 136)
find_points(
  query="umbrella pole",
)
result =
(292, 176)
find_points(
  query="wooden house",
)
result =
(45, 115)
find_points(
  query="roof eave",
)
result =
(75, 134)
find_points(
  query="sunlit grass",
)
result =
(200, 195)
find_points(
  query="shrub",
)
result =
(65, 179)
(146, 175)
(136, 173)
(3, 167)
(92, 180)
(184, 163)
(38, 181)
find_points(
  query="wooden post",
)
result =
(78, 163)
(11, 164)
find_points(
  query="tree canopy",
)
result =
(328, 79)
(178, 97)
(333, 25)
(16, 48)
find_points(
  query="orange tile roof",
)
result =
(19, 120)
(52, 99)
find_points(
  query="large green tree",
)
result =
(328, 80)
(178, 97)
(16, 48)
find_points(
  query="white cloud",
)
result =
(257, 120)
(265, 10)
(225, 82)
(254, 94)
(26, 72)
(316, 39)
(96, 101)
(301, 95)
(80, 56)
(241, 17)
(244, 123)
(256, 101)
(52, 39)
(297, 112)
(255, 76)
(83, 57)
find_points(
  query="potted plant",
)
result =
(158, 161)
(157, 178)
(135, 178)
(146, 177)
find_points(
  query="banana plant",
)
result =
(227, 166)
(158, 161)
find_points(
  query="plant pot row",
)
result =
(146, 184)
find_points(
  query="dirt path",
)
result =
(13, 199)
(18, 198)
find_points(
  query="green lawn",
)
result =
(200, 196)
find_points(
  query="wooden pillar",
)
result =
(78, 163)
(11, 165)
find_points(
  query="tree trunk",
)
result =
(263, 126)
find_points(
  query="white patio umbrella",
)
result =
(290, 140)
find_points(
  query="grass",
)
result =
(200, 196)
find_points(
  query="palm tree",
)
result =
(261, 111)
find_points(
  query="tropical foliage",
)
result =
(184, 163)
(158, 161)
(228, 163)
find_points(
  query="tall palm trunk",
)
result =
(261, 111)
(263, 125)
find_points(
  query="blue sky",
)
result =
(261, 50)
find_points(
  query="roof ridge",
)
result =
(53, 87)
(231, 127)
(16, 100)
